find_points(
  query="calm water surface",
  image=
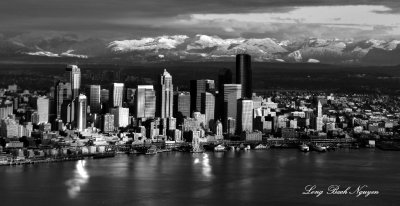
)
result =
(272, 177)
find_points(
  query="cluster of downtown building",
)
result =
(209, 111)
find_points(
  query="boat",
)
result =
(219, 148)
(152, 150)
(304, 148)
(104, 155)
(319, 148)
(261, 147)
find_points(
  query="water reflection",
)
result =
(79, 179)
(205, 163)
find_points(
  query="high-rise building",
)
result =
(244, 74)
(232, 92)
(121, 116)
(208, 107)
(196, 88)
(62, 93)
(74, 75)
(319, 119)
(182, 104)
(94, 98)
(108, 122)
(319, 113)
(245, 115)
(116, 95)
(104, 95)
(145, 101)
(224, 77)
(80, 111)
(165, 96)
(43, 109)
(6, 108)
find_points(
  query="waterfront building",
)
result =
(244, 74)
(74, 74)
(116, 95)
(165, 96)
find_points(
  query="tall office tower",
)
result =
(74, 75)
(104, 95)
(224, 77)
(245, 115)
(232, 93)
(145, 101)
(43, 109)
(244, 74)
(62, 93)
(116, 94)
(121, 116)
(182, 104)
(94, 98)
(80, 112)
(196, 88)
(165, 96)
(319, 120)
(108, 122)
(208, 107)
(6, 108)
(319, 109)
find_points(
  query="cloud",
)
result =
(123, 19)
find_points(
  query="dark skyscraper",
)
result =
(244, 74)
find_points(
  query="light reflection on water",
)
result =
(80, 178)
(204, 161)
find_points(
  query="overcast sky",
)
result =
(281, 19)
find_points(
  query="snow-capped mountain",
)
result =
(206, 48)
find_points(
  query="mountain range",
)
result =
(202, 48)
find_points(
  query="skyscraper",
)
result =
(74, 74)
(224, 77)
(80, 112)
(6, 108)
(319, 119)
(94, 98)
(63, 93)
(165, 96)
(245, 115)
(244, 74)
(196, 88)
(182, 104)
(208, 107)
(116, 94)
(43, 109)
(104, 95)
(232, 92)
(121, 116)
(145, 101)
